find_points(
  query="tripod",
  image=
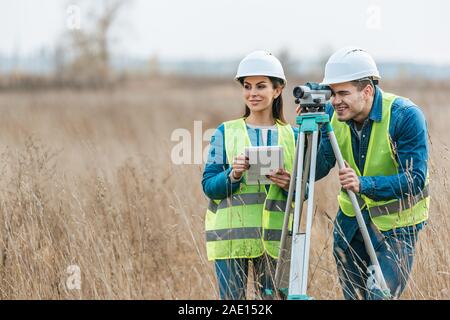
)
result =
(292, 271)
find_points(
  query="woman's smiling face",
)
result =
(259, 93)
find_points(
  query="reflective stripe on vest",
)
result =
(243, 233)
(276, 205)
(396, 206)
(386, 215)
(399, 205)
(248, 223)
(238, 200)
(248, 199)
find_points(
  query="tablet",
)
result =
(262, 160)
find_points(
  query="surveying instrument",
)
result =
(292, 265)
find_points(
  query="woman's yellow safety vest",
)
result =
(249, 222)
(380, 161)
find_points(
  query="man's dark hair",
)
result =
(360, 84)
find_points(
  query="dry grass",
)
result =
(87, 180)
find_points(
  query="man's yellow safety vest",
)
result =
(380, 161)
(249, 222)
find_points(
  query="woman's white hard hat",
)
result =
(348, 64)
(260, 63)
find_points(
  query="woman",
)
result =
(243, 222)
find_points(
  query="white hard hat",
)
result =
(260, 63)
(348, 64)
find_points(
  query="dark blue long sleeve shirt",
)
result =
(408, 133)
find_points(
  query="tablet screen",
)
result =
(262, 160)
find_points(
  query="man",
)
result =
(383, 140)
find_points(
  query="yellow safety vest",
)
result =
(380, 161)
(249, 222)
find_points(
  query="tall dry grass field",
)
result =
(87, 180)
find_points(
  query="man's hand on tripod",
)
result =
(298, 110)
(349, 179)
(281, 178)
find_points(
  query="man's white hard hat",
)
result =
(348, 64)
(260, 63)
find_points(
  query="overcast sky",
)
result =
(416, 31)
